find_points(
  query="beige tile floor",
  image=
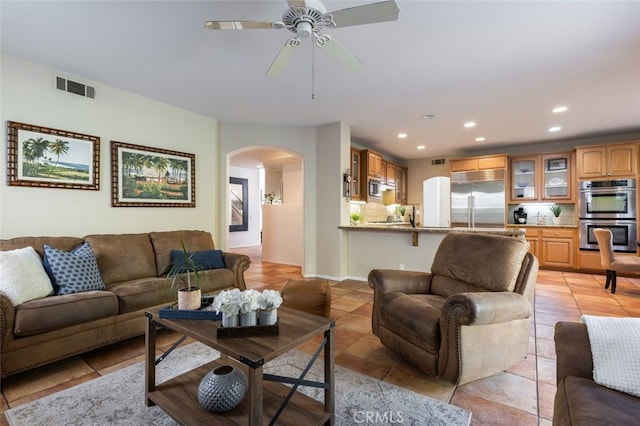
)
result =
(523, 395)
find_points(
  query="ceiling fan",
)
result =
(307, 18)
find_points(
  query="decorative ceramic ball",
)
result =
(222, 389)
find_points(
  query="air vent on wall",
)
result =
(437, 161)
(75, 87)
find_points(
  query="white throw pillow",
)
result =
(22, 276)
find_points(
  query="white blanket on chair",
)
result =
(615, 347)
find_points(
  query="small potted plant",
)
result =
(269, 301)
(228, 303)
(355, 218)
(249, 306)
(556, 210)
(185, 276)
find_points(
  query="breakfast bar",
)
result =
(400, 246)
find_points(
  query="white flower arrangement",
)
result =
(269, 299)
(249, 301)
(228, 302)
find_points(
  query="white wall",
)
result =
(282, 234)
(292, 183)
(27, 96)
(250, 237)
(300, 140)
(333, 157)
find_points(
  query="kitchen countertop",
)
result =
(532, 225)
(403, 227)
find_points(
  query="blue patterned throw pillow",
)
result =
(74, 271)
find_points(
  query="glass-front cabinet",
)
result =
(541, 178)
(524, 182)
(555, 177)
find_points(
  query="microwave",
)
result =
(374, 189)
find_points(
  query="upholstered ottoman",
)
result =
(308, 295)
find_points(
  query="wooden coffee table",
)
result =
(178, 397)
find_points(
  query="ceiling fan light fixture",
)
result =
(304, 29)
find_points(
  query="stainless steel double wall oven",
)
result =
(609, 204)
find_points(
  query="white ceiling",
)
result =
(502, 64)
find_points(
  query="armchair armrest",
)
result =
(573, 351)
(238, 263)
(7, 319)
(384, 281)
(485, 308)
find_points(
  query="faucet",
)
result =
(412, 218)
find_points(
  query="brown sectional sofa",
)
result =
(133, 268)
(579, 399)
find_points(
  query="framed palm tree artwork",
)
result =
(143, 176)
(44, 157)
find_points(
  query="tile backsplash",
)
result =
(378, 212)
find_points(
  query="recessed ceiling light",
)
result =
(481, 139)
(402, 135)
(561, 108)
(555, 129)
(421, 147)
(428, 116)
(469, 124)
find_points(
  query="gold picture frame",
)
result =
(143, 176)
(40, 156)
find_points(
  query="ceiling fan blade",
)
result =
(242, 25)
(282, 59)
(339, 53)
(366, 14)
(296, 3)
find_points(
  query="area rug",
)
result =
(118, 398)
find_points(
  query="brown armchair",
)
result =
(469, 317)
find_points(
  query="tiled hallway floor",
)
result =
(522, 395)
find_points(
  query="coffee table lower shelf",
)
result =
(178, 397)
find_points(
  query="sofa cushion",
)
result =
(75, 271)
(413, 317)
(123, 257)
(480, 268)
(63, 243)
(22, 276)
(56, 312)
(205, 259)
(581, 401)
(164, 242)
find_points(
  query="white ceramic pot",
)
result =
(268, 317)
(230, 320)
(249, 319)
(556, 221)
(189, 299)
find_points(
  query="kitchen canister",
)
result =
(222, 389)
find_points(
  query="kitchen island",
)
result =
(400, 246)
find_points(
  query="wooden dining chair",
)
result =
(612, 263)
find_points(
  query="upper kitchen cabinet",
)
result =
(355, 174)
(524, 178)
(401, 185)
(542, 178)
(557, 176)
(390, 173)
(374, 164)
(487, 162)
(612, 160)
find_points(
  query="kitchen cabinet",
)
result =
(554, 247)
(612, 160)
(390, 174)
(401, 185)
(546, 177)
(374, 164)
(356, 187)
(487, 162)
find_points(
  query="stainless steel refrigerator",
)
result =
(477, 199)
